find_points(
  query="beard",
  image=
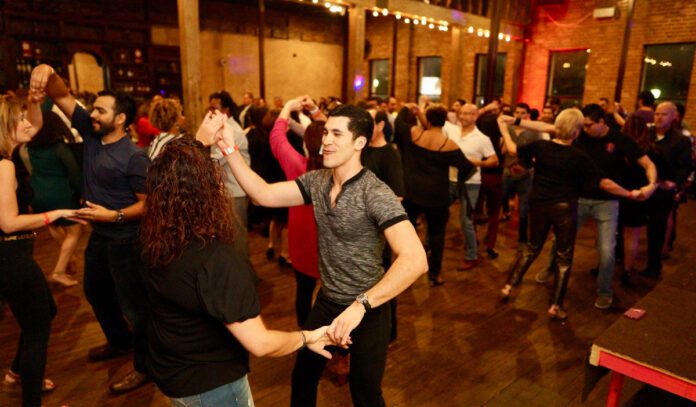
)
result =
(104, 128)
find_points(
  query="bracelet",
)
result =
(304, 340)
(630, 194)
(230, 150)
(518, 121)
(315, 113)
(47, 220)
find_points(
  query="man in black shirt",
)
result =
(609, 150)
(114, 185)
(674, 165)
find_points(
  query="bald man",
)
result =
(673, 167)
(478, 149)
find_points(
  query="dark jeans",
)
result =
(386, 263)
(114, 286)
(521, 187)
(367, 361)
(24, 287)
(491, 193)
(563, 217)
(303, 296)
(437, 222)
(660, 205)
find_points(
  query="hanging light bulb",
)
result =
(471, 30)
(479, 33)
(487, 33)
(375, 14)
(423, 20)
(416, 22)
(445, 28)
(507, 38)
(385, 12)
(431, 26)
(407, 20)
(500, 36)
(398, 16)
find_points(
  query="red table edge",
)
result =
(652, 376)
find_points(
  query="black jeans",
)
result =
(660, 205)
(24, 287)
(563, 217)
(303, 296)
(114, 286)
(367, 361)
(437, 222)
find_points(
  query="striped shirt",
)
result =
(159, 143)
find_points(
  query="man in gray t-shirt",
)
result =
(355, 213)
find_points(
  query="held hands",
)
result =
(307, 103)
(39, 77)
(225, 137)
(96, 213)
(318, 339)
(294, 105)
(70, 214)
(36, 96)
(341, 327)
(212, 124)
(505, 120)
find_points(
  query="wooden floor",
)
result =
(457, 346)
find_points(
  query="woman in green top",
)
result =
(57, 182)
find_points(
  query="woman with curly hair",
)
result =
(22, 282)
(164, 114)
(205, 311)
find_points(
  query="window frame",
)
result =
(418, 78)
(476, 67)
(642, 70)
(549, 77)
(389, 79)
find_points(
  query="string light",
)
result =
(471, 30)
(507, 38)
(488, 33)
(385, 12)
(431, 26)
(315, 1)
(407, 20)
(398, 16)
(375, 14)
(479, 33)
(500, 36)
(416, 22)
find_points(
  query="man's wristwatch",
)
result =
(119, 217)
(362, 298)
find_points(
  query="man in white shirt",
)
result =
(478, 149)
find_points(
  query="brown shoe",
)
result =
(132, 381)
(468, 264)
(105, 352)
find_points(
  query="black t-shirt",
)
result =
(385, 162)
(190, 349)
(113, 174)
(488, 125)
(613, 154)
(561, 172)
(263, 162)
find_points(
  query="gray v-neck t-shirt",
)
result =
(350, 236)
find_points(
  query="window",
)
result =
(480, 86)
(567, 76)
(429, 81)
(379, 78)
(666, 71)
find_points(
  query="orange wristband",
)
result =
(230, 150)
(47, 220)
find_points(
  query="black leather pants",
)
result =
(563, 217)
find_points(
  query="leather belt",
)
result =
(30, 235)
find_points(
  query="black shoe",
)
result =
(131, 382)
(492, 254)
(105, 352)
(435, 282)
(594, 271)
(651, 273)
(626, 278)
(270, 253)
(283, 261)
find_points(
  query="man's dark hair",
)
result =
(594, 112)
(681, 109)
(360, 122)
(214, 95)
(534, 114)
(523, 106)
(227, 102)
(646, 98)
(554, 101)
(462, 101)
(604, 100)
(381, 116)
(123, 103)
(436, 115)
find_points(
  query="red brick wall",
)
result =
(424, 42)
(654, 22)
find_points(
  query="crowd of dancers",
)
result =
(166, 268)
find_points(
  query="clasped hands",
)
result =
(216, 130)
(338, 333)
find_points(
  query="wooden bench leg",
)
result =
(615, 389)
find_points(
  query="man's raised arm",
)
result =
(44, 79)
(215, 129)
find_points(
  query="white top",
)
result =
(231, 184)
(474, 145)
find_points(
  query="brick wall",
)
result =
(425, 42)
(654, 22)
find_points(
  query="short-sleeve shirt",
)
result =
(385, 162)
(612, 154)
(350, 236)
(113, 174)
(475, 146)
(191, 351)
(561, 172)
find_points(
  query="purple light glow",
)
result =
(358, 82)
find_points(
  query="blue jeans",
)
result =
(521, 187)
(606, 215)
(466, 218)
(235, 394)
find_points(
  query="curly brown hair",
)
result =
(185, 200)
(164, 114)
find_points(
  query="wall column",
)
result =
(456, 73)
(189, 46)
(356, 53)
